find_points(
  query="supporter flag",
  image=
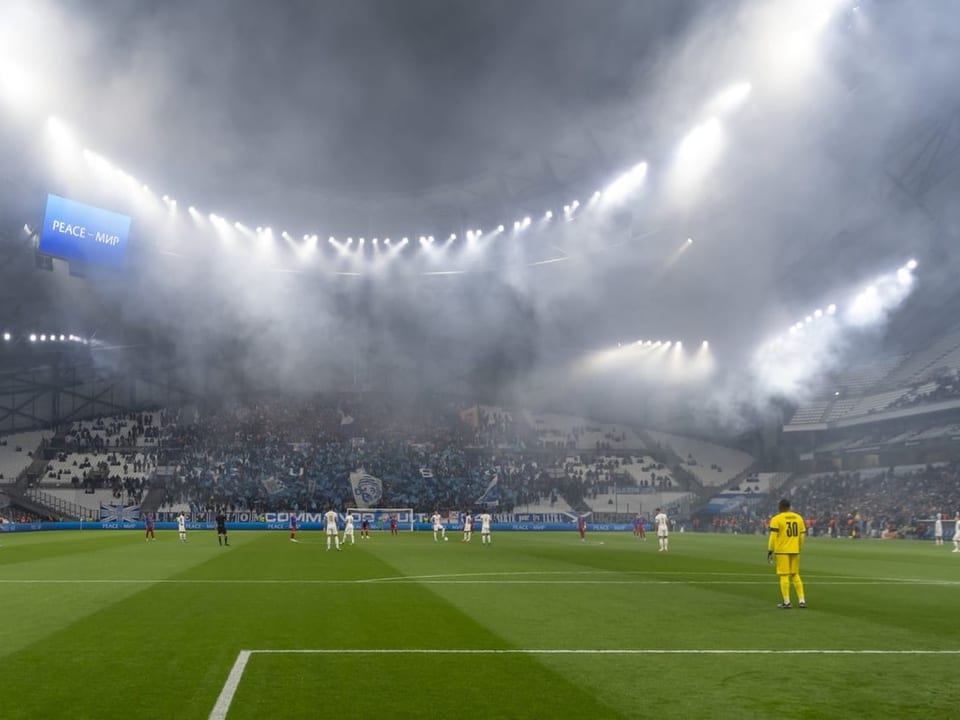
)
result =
(346, 423)
(471, 416)
(367, 490)
(491, 496)
(272, 485)
(119, 513)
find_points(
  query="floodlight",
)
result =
(33, 337)
(6, 337)
(911, 265)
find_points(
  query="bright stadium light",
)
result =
(6, 337)
(911, 265)
(33, 337)
(548, 215)
(623, 186)
(730, 98)
(16, 85)
(500, 228)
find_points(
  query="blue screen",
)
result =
(75, 231)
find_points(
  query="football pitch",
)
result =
(100, 624)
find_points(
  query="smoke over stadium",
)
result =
(715, 173)
(292, 294)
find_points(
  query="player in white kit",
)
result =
(438, 527)
(938, 530)
(467, 528)
(485, 529)
(348, 529)
(330, 519)
(182, 527)
(956, 533)
(663, 530)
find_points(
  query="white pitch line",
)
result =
(866, 582)
(594, 651)
(225, 699)
(222, 706)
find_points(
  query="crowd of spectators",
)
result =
(893, 502)
(945, 387)
(276, 454)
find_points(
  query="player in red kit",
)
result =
(582, 527)
(293, 527)
(148, 524)
(393, 524)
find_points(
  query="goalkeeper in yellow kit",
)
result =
(787, 533)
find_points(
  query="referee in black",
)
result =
(222, 529)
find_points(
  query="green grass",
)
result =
(104, 625)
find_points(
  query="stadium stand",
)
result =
(899, 500)
(711, 464)
(810, 412)
(918, 366)
(16, 452)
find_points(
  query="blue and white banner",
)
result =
(367, 490)
(87, 234)
(119, 513)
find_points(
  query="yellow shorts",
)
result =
(788, 564)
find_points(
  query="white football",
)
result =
(446, 539)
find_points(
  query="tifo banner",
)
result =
(272, 485)
(491, 496)
(367, 490)
(119, 513)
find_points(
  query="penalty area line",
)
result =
(225, 699)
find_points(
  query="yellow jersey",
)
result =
(787, 532)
